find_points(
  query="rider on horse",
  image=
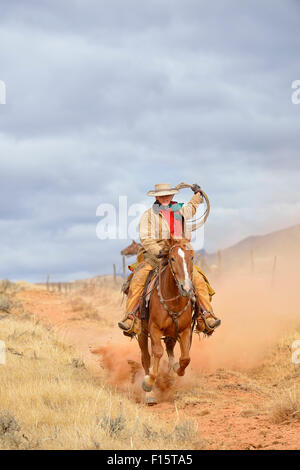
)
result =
(164, 219)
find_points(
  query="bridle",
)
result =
(191, 297)
(173, 274)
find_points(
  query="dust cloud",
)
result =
(256, 309)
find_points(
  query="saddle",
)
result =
(144, 299)
(150, 285)
(199, 314)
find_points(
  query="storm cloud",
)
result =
(108, 98)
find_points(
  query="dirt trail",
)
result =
(228, 403)
(56, 310)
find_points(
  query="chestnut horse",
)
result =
(170, 313)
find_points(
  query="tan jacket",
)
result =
(154, 229)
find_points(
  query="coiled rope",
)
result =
(194, 224)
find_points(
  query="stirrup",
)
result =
(211, 325)
(133, 329)
(122, 325)
(209, 328)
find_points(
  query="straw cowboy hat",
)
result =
(162, 189)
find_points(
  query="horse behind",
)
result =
(170, 312)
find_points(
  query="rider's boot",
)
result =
(207, 322)
(131, 324)
(127, 323)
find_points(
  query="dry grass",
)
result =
(287, 406)
(280, 379)
(86, 307)
(83, 310)
(101, 303)
(49, 400)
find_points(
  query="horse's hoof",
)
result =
(178, 369)
(150, 401)
(145, 387)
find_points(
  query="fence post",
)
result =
(47, 282)
(115, 274)
(124, 269)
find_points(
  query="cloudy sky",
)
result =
(108, 98)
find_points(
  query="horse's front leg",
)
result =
(185, 344)
(157, 352)
(143, 343)
(170, 345)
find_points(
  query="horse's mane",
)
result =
(183, 243)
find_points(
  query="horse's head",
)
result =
(180, 258)
(131, 249)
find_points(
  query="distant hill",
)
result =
(284, 244)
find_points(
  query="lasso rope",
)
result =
(198, 222)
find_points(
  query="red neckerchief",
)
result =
(174, 218)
